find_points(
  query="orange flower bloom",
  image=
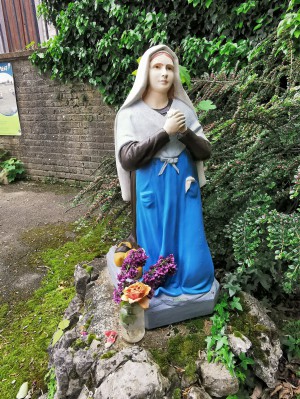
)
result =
(137, 292)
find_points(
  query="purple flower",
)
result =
(157, 273)
(154, 277)
(129, 270)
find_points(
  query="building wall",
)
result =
(66, 128)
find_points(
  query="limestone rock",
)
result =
(216, 379)
(81, 279)
(95, 345)
(258, 310)
(265, 368)
(197, 393)
(130, 373)
(102, 311)
(98, 264)
(67, 339)
(73, 311)
(86, 394)
(74, 389)
(173, 377)
(83, 361)
(187, 381)
(63, 362)
(239, 345)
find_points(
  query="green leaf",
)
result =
(257, 27)
(221, 342)
(206, 105)
(235, 303)
(185, 76)
(57, 336)
(208, 3)
(22, 391)
(64, 324)
(297, 34)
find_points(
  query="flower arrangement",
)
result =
(133, 295)
(130, 291)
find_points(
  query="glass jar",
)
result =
(132, 322)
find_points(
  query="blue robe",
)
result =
(170, 221)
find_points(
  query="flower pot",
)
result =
(132, 322)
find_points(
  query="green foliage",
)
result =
(98, 43)
(251, 200)
(13, 167)
(291, 21)
(50, 380)
(218, 349)
(266, 247)
(185, 76)
(291, 339)
(215, 54)
(89, 32)
(205, 105)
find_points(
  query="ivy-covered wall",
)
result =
(66, 128)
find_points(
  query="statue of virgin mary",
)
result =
(160, 146)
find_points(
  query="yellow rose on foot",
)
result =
(137, 292)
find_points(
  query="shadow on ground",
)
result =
(33, 216)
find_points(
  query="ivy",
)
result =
(218, 349)
(291, 21)
(98, 43)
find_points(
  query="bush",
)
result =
(10, 168)
(98, 43)
(251, 203)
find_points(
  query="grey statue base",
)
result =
(164, 309)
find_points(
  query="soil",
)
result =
(28, 211)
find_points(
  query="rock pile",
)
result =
(86, 368)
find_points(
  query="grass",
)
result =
(26, 329)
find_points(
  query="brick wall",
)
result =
(66, 128)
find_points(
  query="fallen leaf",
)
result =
(207, 327)
(257, 392)
(57, 336)
(277, 389)
(64, 324)
(22, 391)
(179, 369)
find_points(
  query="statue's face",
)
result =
(161, 74)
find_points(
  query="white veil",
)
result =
(138, 89)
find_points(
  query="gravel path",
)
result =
(24, 206)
